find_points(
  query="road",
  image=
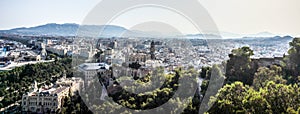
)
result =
(11, 105)
(16, 64)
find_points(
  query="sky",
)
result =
(236, 16)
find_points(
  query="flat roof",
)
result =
(94, 66)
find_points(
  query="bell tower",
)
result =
(152, 50)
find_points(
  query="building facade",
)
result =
(46, 101)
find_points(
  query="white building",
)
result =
(47, 100)
(90, 70)
(58, 49)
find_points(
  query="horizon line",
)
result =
(208, 32)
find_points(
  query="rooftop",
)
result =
(48, 92)
(94, 66)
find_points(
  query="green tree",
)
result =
(293, 60)
(254, 102)
(281, 97)
(205, 72)
(230, 99)
(239, 67)
(264, 75)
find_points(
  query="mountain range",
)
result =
(71, 29)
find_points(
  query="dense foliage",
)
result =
(292, 62)
(270, 89)
(273, 98)
(152, 99)
(264, 74)
(15, 83)
(73, 104)
(239, 66)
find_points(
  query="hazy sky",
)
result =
(237, 16)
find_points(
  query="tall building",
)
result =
(152, 50)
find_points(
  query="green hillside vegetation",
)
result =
(15, 83)
(272, 89)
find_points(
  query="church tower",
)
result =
(152, 50)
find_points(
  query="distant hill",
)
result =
(261, 34)
(229, 35)
(275, 38)
(71, 29)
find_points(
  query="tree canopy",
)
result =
(239, 66)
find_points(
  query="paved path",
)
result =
(11, 105)
(15, 64)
